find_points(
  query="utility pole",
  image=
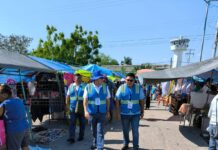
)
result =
(215, 41)
(171, 62)
(205, 24)
(189, 54)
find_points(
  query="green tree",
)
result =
(107, 60)
(114, 62)
(80, 48)
(142, 66)
(19, 43)
(146, 66)
(127, 61)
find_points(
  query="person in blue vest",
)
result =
(74, 100)
(15, 118)
(130, 102)
(97, 108)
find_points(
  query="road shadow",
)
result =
(143, 125)
(193, 135)
(139, 148)
(157, 109)
(173, 118)
(106, 141)
(114, 126)
(130, 148)
(153, 119)
(107, 148)
(152, 149)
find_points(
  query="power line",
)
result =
(149, 41)
(189, 54)
(159, 38)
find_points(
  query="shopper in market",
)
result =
(15, 118)
(111, 87)
(74, 100)
(130, 102)
(97, 108)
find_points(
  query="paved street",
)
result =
(159, 130)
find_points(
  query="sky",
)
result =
(139, 29)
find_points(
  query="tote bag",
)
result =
(2, 133)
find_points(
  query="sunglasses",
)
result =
(130, 80)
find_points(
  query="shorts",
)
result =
(18, 140)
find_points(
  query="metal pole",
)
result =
(22, 86)
(205, 23)
(215, 42)
(171, 62)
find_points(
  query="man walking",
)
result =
(74, 101)
(130, 101)
(96, 106)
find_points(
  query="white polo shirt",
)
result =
(97, 88)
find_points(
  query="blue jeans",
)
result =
(213, 143)
(73, 118)
(97, 126)
(134, 121)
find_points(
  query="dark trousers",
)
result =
(148, 101)
(73, 118)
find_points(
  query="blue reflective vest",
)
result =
(15, 116)
(132, 96)
(92, 95)
(76, 96)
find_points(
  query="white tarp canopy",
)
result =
(181, 72)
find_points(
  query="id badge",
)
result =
(97, 101)
(130, 105)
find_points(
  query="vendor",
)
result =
(208, 87)
(15, 118)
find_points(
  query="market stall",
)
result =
(50, 91)
(199, 101)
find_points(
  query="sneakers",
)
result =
(71, 140)
(125, 147)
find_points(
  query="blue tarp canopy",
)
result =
(93, 68)
(119, 74)
(60, 67)
(16, 75)
(213, 74)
